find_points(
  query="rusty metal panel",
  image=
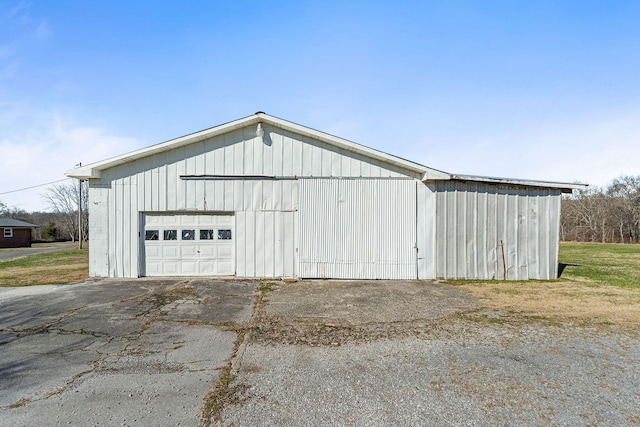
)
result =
(357, 229)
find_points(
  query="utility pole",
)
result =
(80, 211)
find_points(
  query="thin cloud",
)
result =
(43, 30)
(47, 151)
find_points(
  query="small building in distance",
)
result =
(15, 233)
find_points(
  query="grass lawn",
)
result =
(601, 264)
(65, 266)
(599, 284)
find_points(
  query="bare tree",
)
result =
(14, 212)
(626, 191)
(610, 214)
(63, 199)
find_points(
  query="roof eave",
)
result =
(565, 187)
(92, 171)
(345, 144)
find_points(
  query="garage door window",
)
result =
(170, 234)
(188, 234)
(151, 235)
(206, 234)
(224, 234)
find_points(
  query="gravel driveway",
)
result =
(420, 353)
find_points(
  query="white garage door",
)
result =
(189, 245)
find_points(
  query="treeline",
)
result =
(609, 214)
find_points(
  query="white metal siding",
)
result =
(426, 230)
(153, 184)
(358, 229)
(475, 221)
(99, 235)
(266, 243)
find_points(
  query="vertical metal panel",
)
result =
(265, 244)
(425, 230)
(476, 222)
(241, 242)
(153, 184)
(252, 239)
(522, 237)
(99, 226)
(357, 229)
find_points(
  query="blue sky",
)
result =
(544, 90)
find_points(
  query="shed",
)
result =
(15, 233)
(265, 197)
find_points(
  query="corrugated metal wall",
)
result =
(475, 221)
(457, 226)
(265, 209)
(358, 229)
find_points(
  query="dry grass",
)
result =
(600, 283)
(65, 266)
(565, 300)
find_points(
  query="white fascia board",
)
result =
(84, 172)
(92, 170)
(564, 186)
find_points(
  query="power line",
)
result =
(35, 186)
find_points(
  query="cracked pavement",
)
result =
(116, 352)
(361, 353)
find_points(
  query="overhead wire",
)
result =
(35, 186)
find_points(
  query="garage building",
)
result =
(265, 197)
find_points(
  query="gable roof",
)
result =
(93, 170)
(16, 223)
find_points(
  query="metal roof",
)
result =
(564, 186)
(93, 170)
(15, 223)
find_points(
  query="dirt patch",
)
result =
(561, 300)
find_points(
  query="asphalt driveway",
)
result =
(345, 353)
(116, 352)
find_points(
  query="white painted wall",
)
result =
(99, 231)
(458, 225)
(265, 210)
